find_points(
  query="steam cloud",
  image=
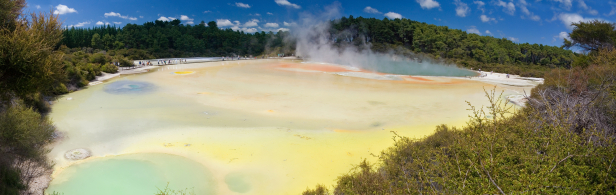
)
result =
(314, 43)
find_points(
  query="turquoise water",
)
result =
(134, 174)
(129, 87)
(416, 68)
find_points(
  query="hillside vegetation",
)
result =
(459, 47)
(163, 39)
(29, 66)
(173, 39)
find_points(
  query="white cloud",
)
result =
(371, 10)
(81, 24)
(565, 3)
(523, 7)
(611, 12)
(172, 18)
(428, 4)
(271, 25)
(473, 30)
(186, 19)
(514, 39)
(257, 14)
(140, 16)
(461, 8)
(113, 14)
(393, 15)
(251, 23)
(562, 36)
(485, 18)
(289, 24)
(488, 32)
(100, 23)
(246, 30)
(508, 8)
(242, 5)
(568, 19)
(117, 22)
(268, 13)
(163, 18)
(287, 3)
(63, 9)
(223, 22)
(587, 8)
(480, 5)
(38, 7)
(250, 30)
(283, 29)
(208, 11)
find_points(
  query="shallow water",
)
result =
(246, 127)
(135, 174)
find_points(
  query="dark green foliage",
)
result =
(10, 182)
(109, 68)
(28, 62)
(30, 69)
(592, 36)
(83, 65)
(24, 132)
(160, 39)
(99, 58)
(442, 42)
(24, 135)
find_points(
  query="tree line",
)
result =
(173, 39)
(443, 42)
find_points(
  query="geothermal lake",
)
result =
(245, 127)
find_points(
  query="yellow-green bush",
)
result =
(24, 135)
(531, 153)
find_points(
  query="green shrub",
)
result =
(99, 58)
(24, 136)
(124, 62)
(10, 182)
(541, 149)
(60, 89)
(109, 68)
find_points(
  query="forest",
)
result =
(443, 42)
(164, 39)
(160, 39)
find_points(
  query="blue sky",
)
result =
(534, 21)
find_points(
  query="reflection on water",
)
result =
(252, 127)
